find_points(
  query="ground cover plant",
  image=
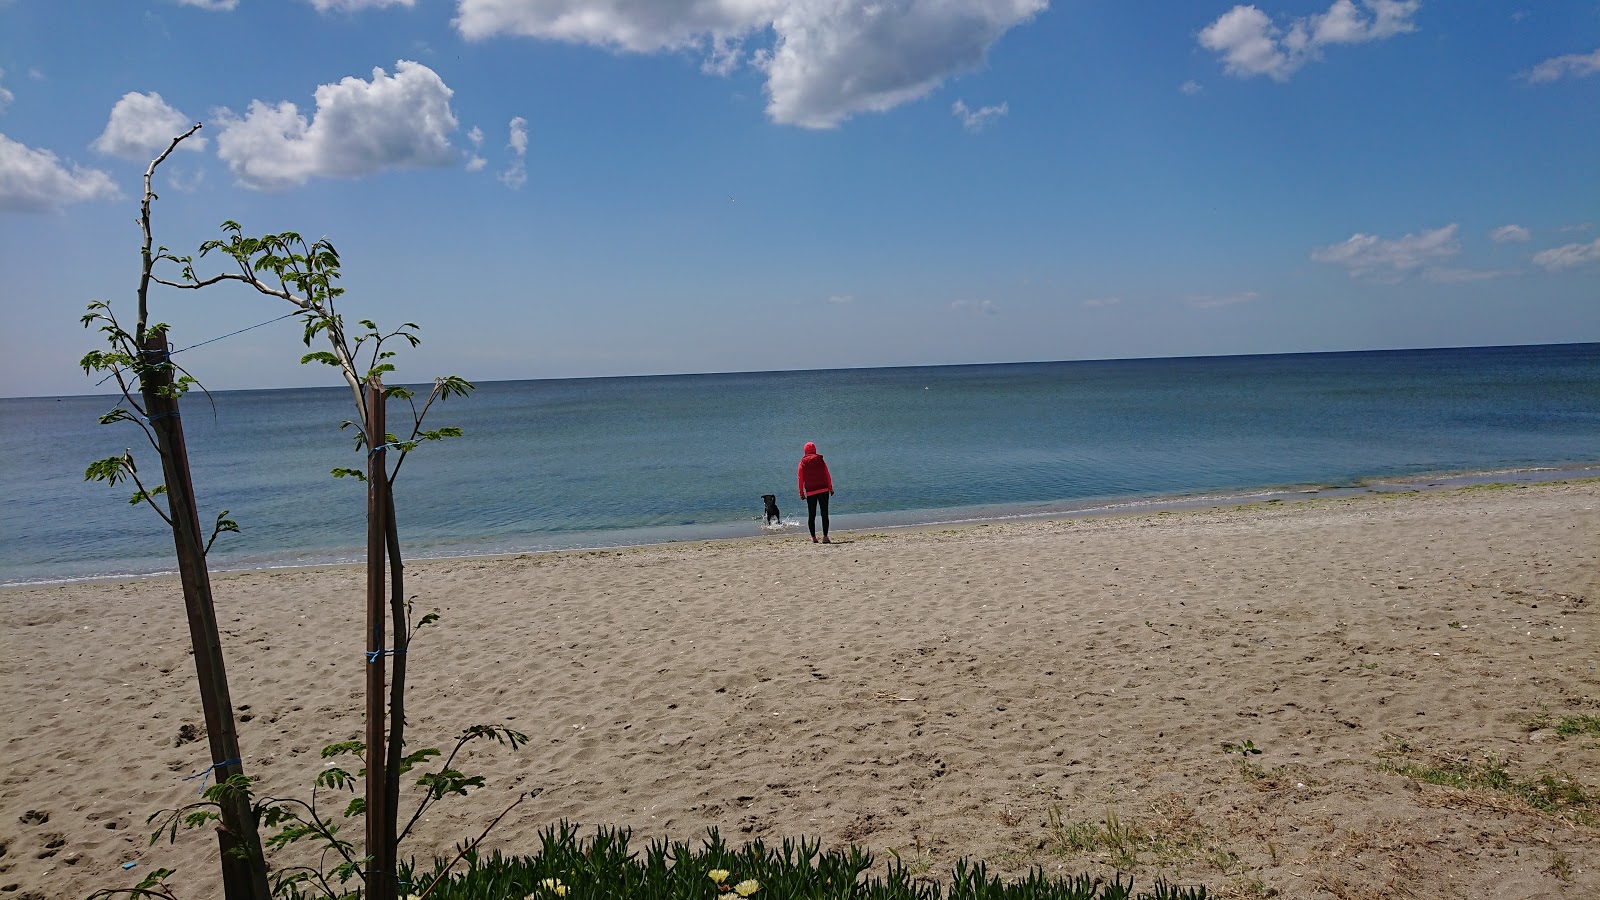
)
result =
(571, 867)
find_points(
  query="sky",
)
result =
(570, 188)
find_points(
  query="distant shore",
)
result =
(1076, 694)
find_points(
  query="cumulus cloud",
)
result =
(1569, 256)
(1370, 255)
(1573, 65)
(36, 181)
(975, 120)
(1250, 44)
(1506, 234)
(142, 125)
(640, 26)
(357, 5)
(829, 60)
(1190, 88)
(5, 96)
(725, 55)
(837, 58)
(1101, 302)
(219, 5)
(359, 128)
(516, 175)
(841, 299)
(475, 163)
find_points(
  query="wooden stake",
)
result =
(244, 872)
(381, 883)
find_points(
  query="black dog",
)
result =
(771, 500)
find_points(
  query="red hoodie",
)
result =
(813, 473)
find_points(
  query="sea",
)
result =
(605, 462)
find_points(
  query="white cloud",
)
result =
(1368, 254)
(5, 96)
(356, 5)
(830, 59)
(725, 56)
(1449, 275)
(1575, 65)
(1569, 256)
(1190, 88)
(979, 119)
(1506, 234)
(1214, 301)
(516, 175)
(475, 136)
(519, 136)
(1101, 302)
(220, 5)
(977, 307)
(641, 26)
(36, 181)
(359, 128)
(841, 299)
(1250, 44)
(142, 125)
(836, 58)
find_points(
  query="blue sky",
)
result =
(559, 188)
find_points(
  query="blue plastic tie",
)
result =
(170, 414)
(205, 773)
(395, 444)
(375, 655)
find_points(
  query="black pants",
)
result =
(812, 502)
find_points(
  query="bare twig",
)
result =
(469, 848)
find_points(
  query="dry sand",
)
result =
(994, 692)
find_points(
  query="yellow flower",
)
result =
(747, 887)
(553, 885)
(718, 875)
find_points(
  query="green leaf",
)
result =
(141, 496)
(112, 469)
(322, 356)
(355, 748)
(357, 474)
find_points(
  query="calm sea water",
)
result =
(599, 462)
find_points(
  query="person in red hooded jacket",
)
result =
(816, 486)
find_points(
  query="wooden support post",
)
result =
(244, 871)
(381, 883)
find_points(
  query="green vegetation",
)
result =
(1556, 793)
(1575, 725)
(568, 868)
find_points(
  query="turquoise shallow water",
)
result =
(600, 462)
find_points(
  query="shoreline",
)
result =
(953, 516)
(1010, 692)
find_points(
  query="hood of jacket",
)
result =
(811, 448)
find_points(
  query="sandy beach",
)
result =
(1069, 694)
